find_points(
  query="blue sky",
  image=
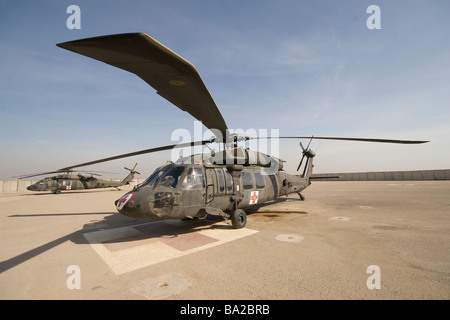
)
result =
(303, 67)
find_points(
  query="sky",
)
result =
(300, 67)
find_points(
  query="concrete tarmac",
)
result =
(347, 240)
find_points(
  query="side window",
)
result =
(259, 179)
(194, 179)
(229, 181)
(247, 180)
(220, 180)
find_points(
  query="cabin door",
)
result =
(193, 191)
(219, 188)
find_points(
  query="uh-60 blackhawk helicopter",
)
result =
(220, 183)
(68, 181)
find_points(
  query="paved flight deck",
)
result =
(391, 236)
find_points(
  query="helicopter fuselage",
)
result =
(70, 182)
(61, 182)
(179, 191)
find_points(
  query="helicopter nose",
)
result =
(30, 188)
(120, 204)
(134, 204)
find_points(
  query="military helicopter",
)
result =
(67, 181)
(218, 183)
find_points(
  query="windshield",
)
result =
(165, 176)
(154, 176)
(170, 177)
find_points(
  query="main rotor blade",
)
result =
(38, 174)
(173, 77)
(131, 154)
(91, 171)
(60, 171)
(351, 139)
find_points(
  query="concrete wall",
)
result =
(21, 185)
(389, 175)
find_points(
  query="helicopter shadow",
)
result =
(188, 229)
(112, 222)
(75, 237)
(146, 230)
(181, 233)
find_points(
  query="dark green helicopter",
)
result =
(67, 181)
(219, 183)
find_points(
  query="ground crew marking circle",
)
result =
(295, 238)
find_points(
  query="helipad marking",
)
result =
(295, 238)
(129, 248)
(340, 218)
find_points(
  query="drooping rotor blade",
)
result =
(136, 153)
(173, 77)
(351, 139)
(95, 173)
(38, 174)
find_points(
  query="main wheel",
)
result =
(238, 219)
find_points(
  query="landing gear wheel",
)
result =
(238, 219)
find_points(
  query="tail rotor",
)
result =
(308, 153)
(132, 171)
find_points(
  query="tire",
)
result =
(238, 219)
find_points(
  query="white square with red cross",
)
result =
(254, 197)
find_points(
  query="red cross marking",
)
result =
(253, 197)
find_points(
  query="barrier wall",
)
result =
(21, 185)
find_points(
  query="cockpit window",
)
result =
(165, 176)
(170, 177)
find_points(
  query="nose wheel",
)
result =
(238, 218)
